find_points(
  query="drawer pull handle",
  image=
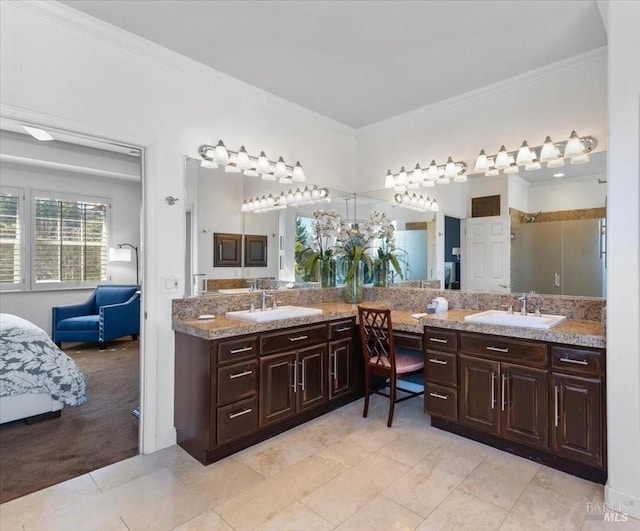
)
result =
(438, 395)
(504, 384)
(556, 406)
(240, 413)
(343, 329)
(577, 362)
(438, 340)
(240, 374)
(299, 338)
(302, 378)
(238, 350)
(498, 349)
(493, 390)
(439, 362)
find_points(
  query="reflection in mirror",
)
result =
(213, 200)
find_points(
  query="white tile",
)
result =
(296, 517)
(207, 521)
(462, 511)
(381, 514)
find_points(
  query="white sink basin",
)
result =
(498, 317)
(282, 312)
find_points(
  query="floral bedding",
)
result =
(30, 362)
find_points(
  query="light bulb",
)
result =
(315, 193)
(285, 180)
(432, 172)
(428, 183)
(251, 172)
(482, 162)
(244, 163)
(534, 164)
(460, 179)
(263, 165)
(298, 195)
(580, 159)
(306, 194)
(416, 175)
(502, 159)
(389, 180)
(556, 163)
(524, 154)
(206, 163)
(402, 177)
(268, 177)
(220, 155)
(443, 180)
(548, 151)
(512, 170)
(298, 173)
(281, 169)
(282, 199)
(450, 169)
(574, 146)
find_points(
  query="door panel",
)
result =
(536, 257)
(577, 406)
(340, 367)
(312, 377)
(523, 398)
(488, 247)
(479, 392)
(276, 392)
(582, 259)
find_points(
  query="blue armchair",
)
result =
(111, 312)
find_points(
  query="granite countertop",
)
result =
(572, 332)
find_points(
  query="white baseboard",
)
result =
(622, 502)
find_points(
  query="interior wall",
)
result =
(71, 68)
(553, 100)
(623, 242)
(575, 193)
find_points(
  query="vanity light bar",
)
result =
(290, 198)
(416, 202)
(241, 161)
(434, 174)
(576, 148)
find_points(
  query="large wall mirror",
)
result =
(549, 236)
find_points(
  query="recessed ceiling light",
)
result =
(558, 174)
(39, 134)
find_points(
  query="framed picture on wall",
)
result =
(255, 251)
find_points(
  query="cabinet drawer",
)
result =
(441, 367)
(441, 401)
(293, 339)
(237, 381)
(406, 340)
(498, 347)
(237, 349)
(441, 339)
(579, 360)
(341, 329)
(236, 420)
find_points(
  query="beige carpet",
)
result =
(100, 432)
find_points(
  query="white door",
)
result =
(488, 245)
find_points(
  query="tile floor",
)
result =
(338, 472)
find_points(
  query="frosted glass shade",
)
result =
(482, 162)
(119, 254)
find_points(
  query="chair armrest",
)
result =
(72, 310)
(121, 319)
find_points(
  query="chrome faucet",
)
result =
(266, 296)
(523, 304)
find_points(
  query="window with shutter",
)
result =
(11, 234)
(70, 240)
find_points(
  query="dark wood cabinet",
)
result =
(478, 392)
(234, 392)
(521, 395)
(577, 431)
(227, 250)
(523, 404)
(255, 251)
(276, 387)
(340, 367)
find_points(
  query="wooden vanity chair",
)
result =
(381, 358)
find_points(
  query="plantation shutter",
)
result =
(11, 231)
(70, 240)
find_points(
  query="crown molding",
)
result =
(565, 67)
(115, 36)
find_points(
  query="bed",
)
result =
(36, 377)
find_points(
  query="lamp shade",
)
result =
(220, 155)
(502, 159)
(243, 161)
(482, 162)
(548, 151)
(119, 255)
(524, 155)
(574, 147)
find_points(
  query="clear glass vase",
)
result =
(381, 274)
(327, 273)
(354, 286)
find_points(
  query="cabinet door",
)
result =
(523, 404)
(340, 367)
(577, 418)
(276, 387)
(311, 378)
(479, 379)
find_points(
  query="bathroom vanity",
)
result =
(535, 393)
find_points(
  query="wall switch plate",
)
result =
(170, 284)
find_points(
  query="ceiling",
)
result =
(360, 62)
